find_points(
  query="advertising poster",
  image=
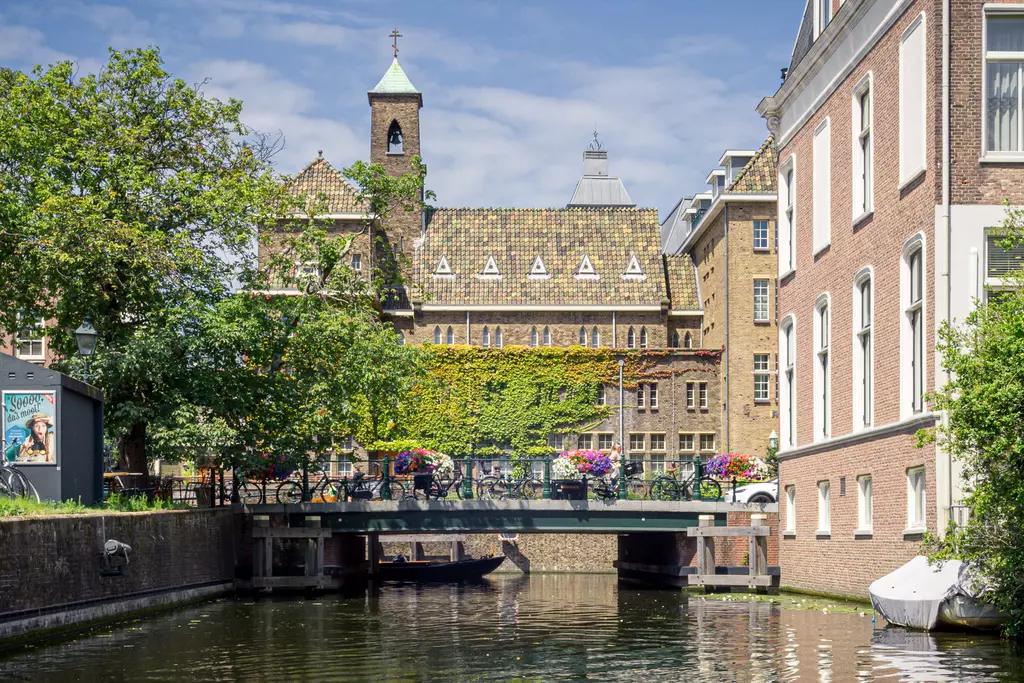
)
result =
(29, 427)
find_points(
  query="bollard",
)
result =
(385, 481)
(467, 478)
(546, 494)
(695, 493)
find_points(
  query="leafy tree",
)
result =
(127, 195)
(984, 400)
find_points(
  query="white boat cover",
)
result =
(911, 595)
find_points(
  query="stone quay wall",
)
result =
(50, 566)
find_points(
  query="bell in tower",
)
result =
(395, 138)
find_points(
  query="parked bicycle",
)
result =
(671, 486)
(13, 482)
(501, 486)
(607, 487)
(436, 487)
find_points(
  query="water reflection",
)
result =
(543, 628)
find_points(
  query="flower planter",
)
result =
(568, 489)
(422, 481)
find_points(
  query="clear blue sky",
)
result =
(512, 88)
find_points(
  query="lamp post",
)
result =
(773, 450)
(86, 336)
(773, 441)
(622, 438)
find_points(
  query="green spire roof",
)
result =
(395, 81)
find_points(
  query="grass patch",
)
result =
(28, 507)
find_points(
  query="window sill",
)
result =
(863, 217)
(914, 531)
(762, 401)
(789, 534)
(762, 322)
(823, 534)
(783, 276)
(762, 250)
(863, 533)
(911, 178)
(1009, 159)
(821, 249)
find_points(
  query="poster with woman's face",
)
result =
(29, 427)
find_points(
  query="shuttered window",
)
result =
(1001, 262)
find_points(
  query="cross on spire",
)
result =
(394, 44)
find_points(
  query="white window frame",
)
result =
(824, 508)
(450, 336)
(37, 326)
(762, 375)
(438, 335)
(654, 440)
(633, 438)
(485, 337)
(790, 509)
(767, 245)
(631, 338)
(547, 336)
(583, 336)
(700, 444)
(912, 168)
(863, 155)
(357, 262)
(702, 393)
(652, 399)
(499, 340)
(787, 382)
(821, 20)
(585, 441)
(691, 395)
(917, 499)
(821, 187)
(595, 338)
(865, 504)
(643, 337)
(995, 57)
(863, 349)
(787, 216)
(823, 368)
(913, 346)
(766, 309)
(534, 337)
(692, 440)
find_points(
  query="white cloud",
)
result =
(123, 30)
(26, 47)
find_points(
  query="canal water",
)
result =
(539, 628)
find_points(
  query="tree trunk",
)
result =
(132, 451)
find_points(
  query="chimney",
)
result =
(595, 162)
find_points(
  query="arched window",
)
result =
(437, 335)
(498, 343)
(687, 341)
(486, 337)
(583, 336)
(863, 351)
(533, 337)
(395, 140)
(547, 336)
(675, 339)
(631, 339)
(643, 337)
(912, 334)
(595, 338)
(451, 335)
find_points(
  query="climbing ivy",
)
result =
(490, 401)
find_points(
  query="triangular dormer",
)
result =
(490, 271)
(633, 269)
(538, 271)
(586, 271)
(443, 268)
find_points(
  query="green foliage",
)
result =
(23, 507)
(984, 400)
(122, 503)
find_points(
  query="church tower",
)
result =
(394, 140)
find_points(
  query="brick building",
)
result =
(729, 234)
(590, 274)
(898, 137)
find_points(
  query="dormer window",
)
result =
(395, 139)
(490, 271)
(586, 271)
(633, 269)
(538, 271)
(822, 15)
(443, 269)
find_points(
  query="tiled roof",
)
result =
(320, 178)
(681, 275)
(561, 237)
(760, 174)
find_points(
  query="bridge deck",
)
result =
(514, 516)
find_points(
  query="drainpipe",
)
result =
(725, 214)
(467, 329)
(946, 222)
(615, 338)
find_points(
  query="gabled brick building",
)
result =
(898, 130)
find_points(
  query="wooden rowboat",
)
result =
(438, 572)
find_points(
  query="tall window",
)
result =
(761, 235)
(583, 336)
(822, 216)
(486, 337)
(787, 351)
(498, 340)
(913, 97)
(595, 338)
(687, 341)
(675, 339)
(643, 337)
(437, 335)
(912, 337)
(822, 388)
(1004, 61)
(600, 399)
(791, 508)
(691, 395)
(450, 337)
(864, 502)
(640, 397)
(863, 150)
(863, 356)
(761, 301)
(703, 393)
(787, 250)
(761, 372)
(824, 507)
(654, 398)
(357, 261)
(915, 498)
(547, 336)
(30, 344)
(822, 15)
(533, 337)
(631, 339)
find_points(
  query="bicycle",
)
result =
(607, 488)
(505, 487)
(13, 482)
(434, 487)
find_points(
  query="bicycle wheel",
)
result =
(18, 484)
(500, 489)
(396, 489)
(636, 488)
(665, 488)
(710, 489)
(531, 489)
(289, 492)
(484, 487)
(250, 493)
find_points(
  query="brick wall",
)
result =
(405, 109)
(50, 561)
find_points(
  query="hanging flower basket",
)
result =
(422, 461)
(743, 468)
(576, 464)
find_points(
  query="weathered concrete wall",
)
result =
(50, 566)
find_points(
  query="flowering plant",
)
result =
(738, 466)
(422, 461)
(575, 464)
(268, 466)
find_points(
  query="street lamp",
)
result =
(773, 440)
(86, 336)
(622, 438)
